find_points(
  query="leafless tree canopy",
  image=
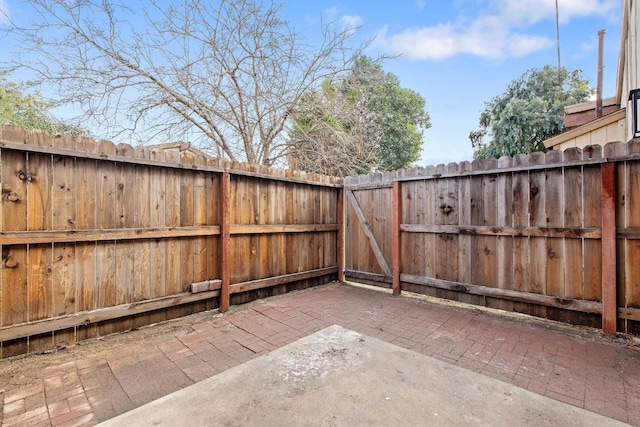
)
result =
(228, 74)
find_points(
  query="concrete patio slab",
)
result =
(338, 377)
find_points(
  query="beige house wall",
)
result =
(628, 77)
(610, 128)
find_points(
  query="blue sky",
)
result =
(459, 54)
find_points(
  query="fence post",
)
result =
(609, 285)
(225, 239)
(396, 262)
(340, 236)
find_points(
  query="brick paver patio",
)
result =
(78, 387)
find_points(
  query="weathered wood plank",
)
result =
(38, 201)
(14, 271)
(476, 249)
(563, 232)
(340, 236)
(528, 297)
(36, 237)
(609, 297)
(100, 315)
(39, 285)
(490, 218)
(396, 207)
(225, 219)
(629, 296)
(521, 219)
(281, 228)
(554, 210)
(592, 211)
(279, 280)
(364, 275)
(119, 157)
(464, 220)
(504, 218)
(537, 218)
(573, 217)
(367, 230)
(14, 191)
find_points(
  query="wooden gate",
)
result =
(551, 235)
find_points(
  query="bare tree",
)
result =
(227, 73)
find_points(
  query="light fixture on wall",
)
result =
(634, 97)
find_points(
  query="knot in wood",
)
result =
(13, 196)
(22, 175)
(10, 262)
(534, 190)
(446, 209)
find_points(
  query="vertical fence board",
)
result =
(537, 218)
(592, 218)
(200, 218)
(504, 218)
(63, 283)
(39, 289)
(464, 218)
(106, 280)
(186, 219)
(424, 213)
(452, 212)
(14, 285)
(488, 244)
(573, 218)
(631, 291)
(554, 211)
(64, 213)
(14, 191)
(477, 218)
(609, 298)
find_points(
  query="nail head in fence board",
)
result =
(609, 299)
(225, 214)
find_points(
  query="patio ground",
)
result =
(97, 380)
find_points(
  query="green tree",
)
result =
(30, 111)
(363, 122)
(530, 111)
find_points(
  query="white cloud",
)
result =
(420, 4)
(496, 32)
(519, 46)
(351, 21)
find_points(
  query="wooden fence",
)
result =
(98, 238)
(555, 235)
